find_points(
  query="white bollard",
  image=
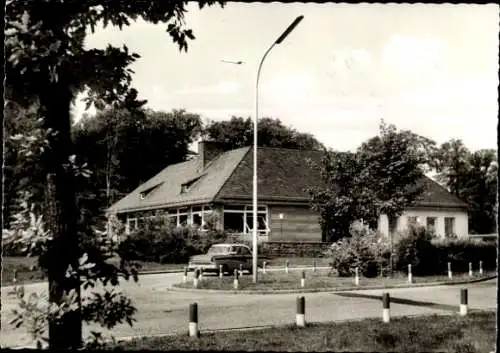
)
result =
(193, 320)
(470, 269)
(286, 266)
(463, 301)
(386, 303)
(196, 278)
(201, 274)
(264, 267)
(300, 317)
(221, 274)
(450, 274)
(480, 268)
(314, 265)
(356, 276)
(410, 276)
(235, 280)
(303, 279)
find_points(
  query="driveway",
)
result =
(162, 311)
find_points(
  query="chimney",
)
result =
(208, 151)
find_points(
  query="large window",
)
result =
(196, 215)
(239, 219)
(449, 226)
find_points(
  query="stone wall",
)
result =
(298, 249)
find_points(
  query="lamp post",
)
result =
(255, 224)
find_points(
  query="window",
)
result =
(146, 192)
(131, 225)
(449, 226)
(412, 221)
(431, 224)
(187, 185)
(239, 219)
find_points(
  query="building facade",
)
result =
(217, 187)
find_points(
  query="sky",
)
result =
(429, 68)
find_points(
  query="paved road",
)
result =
(162, 311)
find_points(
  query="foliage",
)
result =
(238, 132)
(115, 142)
(381, 177)
(473, 177)
(105, 307)
(364, 249)
(47, 64)
(462, 251)
(161, 241)
(415, 248)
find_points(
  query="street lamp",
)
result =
(255, 224)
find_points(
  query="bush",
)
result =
(415, 248)
(364, 249)
(161, 241)
(429, 256)
(462, 251)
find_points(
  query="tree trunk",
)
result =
(61, 215)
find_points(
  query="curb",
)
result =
(174, 288)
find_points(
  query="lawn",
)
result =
(273, 280)
(473, 333)
(27, 271)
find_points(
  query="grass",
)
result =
(275, 280)
(28, 271)
(473, 333)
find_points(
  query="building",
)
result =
(219, 182)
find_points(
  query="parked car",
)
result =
(229, 256)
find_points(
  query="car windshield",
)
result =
(217, 250)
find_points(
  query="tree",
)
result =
(47, 64)
(453, 166)
(126, 148)
(381, 177)
(480, 190)
(238, 132)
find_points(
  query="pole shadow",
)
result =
(444, 307)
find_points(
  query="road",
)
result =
(164, 311)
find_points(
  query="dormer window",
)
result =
(187, 185)
(145, 193)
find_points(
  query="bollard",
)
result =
(193, 320)
(470, 269)
(356, 276)
(196, 277)
(14, 279)
(450, 275)
(386, 303)
(264, 267)
(286, 266)
(314, 265)
(235, 280)
(241, 270)
(463, 301)
(221, 274)
(480, 268)
(303, 279)
(300, 317)
(410, 279)
(201, 274)
(184, 278)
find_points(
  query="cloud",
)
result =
(413, 55)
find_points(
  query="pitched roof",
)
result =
(170, 181)
(283, 176)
